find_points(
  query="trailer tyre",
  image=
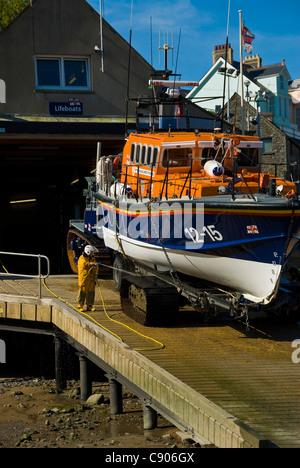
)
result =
(120, 267)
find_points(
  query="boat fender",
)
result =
(118, 189)
(213, 168)
(100, 171)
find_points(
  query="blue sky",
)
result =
(203, 24)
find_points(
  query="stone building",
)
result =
(280, 153)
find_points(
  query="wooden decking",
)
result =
(246, 374)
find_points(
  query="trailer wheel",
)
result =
(149, 301)
(120, 266)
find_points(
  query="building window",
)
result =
(281, 82)
(280, 106)
(62, 73)
(267, 145)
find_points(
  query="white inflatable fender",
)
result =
(213, 168)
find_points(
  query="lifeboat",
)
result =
(198, 204)
(195, 210)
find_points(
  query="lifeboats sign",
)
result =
(71, 108)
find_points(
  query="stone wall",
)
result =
(277, 159)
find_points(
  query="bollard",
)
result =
(85, 380)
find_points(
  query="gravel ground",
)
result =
(34, 415)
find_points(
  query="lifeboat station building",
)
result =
(65, 81)
(60, 95)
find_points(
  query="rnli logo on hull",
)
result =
(252, 229)
(2, 92)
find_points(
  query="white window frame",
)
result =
(61, 59)
(267, 145)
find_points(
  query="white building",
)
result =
(266, 87)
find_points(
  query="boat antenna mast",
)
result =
(101, 35)
(166, 47)
(129, 69)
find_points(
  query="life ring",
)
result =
(116, 166)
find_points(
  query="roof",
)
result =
(294, 84)
(268, 70)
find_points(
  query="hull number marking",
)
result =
(198, 237)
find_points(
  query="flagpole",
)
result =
(241, 75)
(225, 74)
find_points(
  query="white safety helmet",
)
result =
(88, 249)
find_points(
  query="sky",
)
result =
(198, 25)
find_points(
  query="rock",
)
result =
(24, 438)
(17, 393)
(95, 399)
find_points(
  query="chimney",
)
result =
(253, 60)
(220, 51)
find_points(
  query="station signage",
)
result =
(70, 108)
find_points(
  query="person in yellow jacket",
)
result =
(87, 277)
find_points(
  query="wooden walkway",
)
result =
(247, 373)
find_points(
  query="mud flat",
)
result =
(34, 415)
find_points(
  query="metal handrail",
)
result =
(39, 275)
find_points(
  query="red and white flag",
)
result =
(252, 229)
(247, 38)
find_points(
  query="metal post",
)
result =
(85, 381)
(60, 374)
(116, 401)
(150, 418)
(40, 279)
(241, 75)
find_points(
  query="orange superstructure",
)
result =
(195, 164)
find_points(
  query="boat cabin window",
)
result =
(155, 156)
(149, 154)
(132, 153)
(144, 154)
(137, 154)
(248, 157)
(177, 157)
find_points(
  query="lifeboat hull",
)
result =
(240, 245)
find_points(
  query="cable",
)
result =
(161, 345)
(83, 313)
